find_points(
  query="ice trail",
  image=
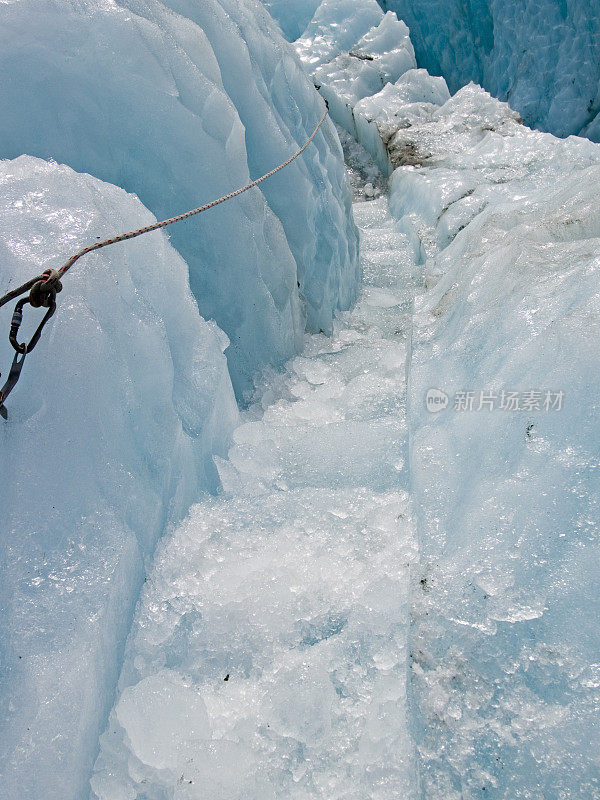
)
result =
(293, 583)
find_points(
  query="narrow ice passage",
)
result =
(293, 583)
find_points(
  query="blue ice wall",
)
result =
(542, 56)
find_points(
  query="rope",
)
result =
(18, 291)
(155, 226)
(44, 288)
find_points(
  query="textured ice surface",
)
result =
(353, 51)
(269, 651)
(268, 655)
(336, 26)
(399, 104)
(543, 56)
(506, 223)
(145, 98)
(381, 56)
(110, 436)
(366, 179)
(266, 84)
(378, 118)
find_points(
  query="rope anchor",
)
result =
(43, 289)
(42, 294)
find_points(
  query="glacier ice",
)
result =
(310, 196)
(270, 649)
(400, 105)
(365, 176)
(145, 98)
(179, 109)
(293, 16)
(110, 438)
(543, 56)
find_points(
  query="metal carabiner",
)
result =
(17, 319)
(21, 348)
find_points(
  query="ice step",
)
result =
(371, 214)
(277, 625)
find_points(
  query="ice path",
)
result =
(293, 583)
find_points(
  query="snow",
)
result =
(505, 223)
(292, 584)
(110, 438)
(181, 108)
(540, 55)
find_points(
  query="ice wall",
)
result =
(503, 420)
(110, 438)
(146, 98)
(262, 77)
(541, 57)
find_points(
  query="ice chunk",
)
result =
(395, 102)
(110, 438)
(164, 719)
(302, 703)
(380, 57)
(138, 96)
(431, 135)
(315, 667)
(336, 26)
(411, 99)
(390, 40)
(349, 63)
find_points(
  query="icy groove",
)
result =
(293, 583)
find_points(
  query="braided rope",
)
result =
(155, 226)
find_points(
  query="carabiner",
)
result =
(17, 319)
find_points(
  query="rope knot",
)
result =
(43, 292)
